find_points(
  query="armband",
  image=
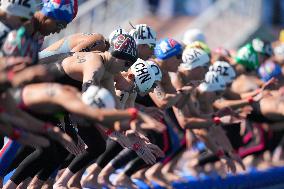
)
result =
(133, 113)
(250, 100)
(216, 120)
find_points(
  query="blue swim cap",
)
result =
(64, 10)
(167, 48)
(269, 70)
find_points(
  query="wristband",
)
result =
(47, 127)
(250, 100)
(16, 134)
(10, 75)
(220, 153)
(109, 132)
(136, 146)
(133, 113)
(216, 120)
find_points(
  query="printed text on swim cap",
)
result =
(143, 73)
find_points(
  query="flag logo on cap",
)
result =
(172, 43)
(63, 5)
(61, 9)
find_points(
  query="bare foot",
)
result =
(59, 187)
(123, 180)
(33, 184)
(90, 182)
(48, 184)
(221, 169)
(171, 177)
(74, 182)
(140, 175)
(154, 174)
(25, 184)
(59, 173)
(103, 179)
(278, 157)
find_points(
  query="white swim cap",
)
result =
(194, 57)
(98, 97)
(225, 70)
(213, 82)
(193, 35)
(25, 8)
(144, 75)
(143, 34)
(115, 33)
(156, 69)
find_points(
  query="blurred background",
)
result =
(227, 23)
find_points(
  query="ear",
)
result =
(131, 76)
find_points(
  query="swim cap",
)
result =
(167, 48)
(222, 51)
(262, 47)
(156, 69)
(144, 75)
(213, 82)
(279, 50)
(18, 43)
(192, 35)
(225, 70)
(98, 97)
(124, 47)
(247, 56)
(115, 33)
(143, 34)
(20, 8)
(193, 58)
(269, 70)
(64, 10)
(200, 45)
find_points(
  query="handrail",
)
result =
(228, 22)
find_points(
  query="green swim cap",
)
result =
(201, 45)
(247, 56)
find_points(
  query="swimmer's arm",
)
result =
(198, 123)
(26, 121)
(249, 94)
(109, 84)
(164, 100)
(93, 70)
(131, 100)
(234, 104)
(229, 94)
(31, 74)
